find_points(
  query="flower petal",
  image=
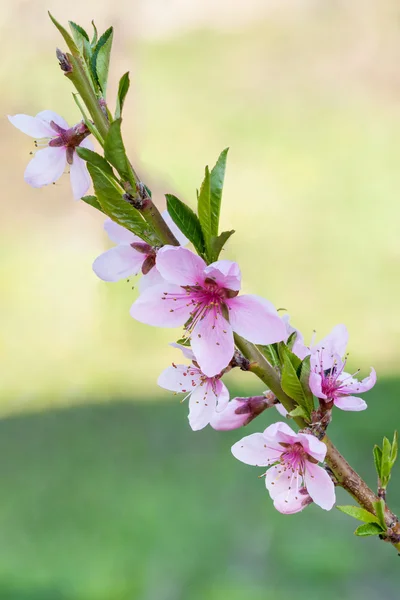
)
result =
(151, 279)
(280, 433)
(293, 504)
(202, 403)
(255, 319)
(313, 446)
(180, 266)
(226, 273)
(320, 486)
(80, 178)
(186, 351)
(118, 234)
(181, 378)
(151, 307)
(222, 394)
(118, 263)
(212, 343)
(254, 450)
(353, 386)
(315, 383)
(45, 167)
(350, 403)
(334, 343)
(279, 480)
(175, 230)
(46, 116)
(228, 419)
(281, 409)
(32, 126)
(87, 143)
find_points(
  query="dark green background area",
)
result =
(124, 501)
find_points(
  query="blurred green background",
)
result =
(106, 493)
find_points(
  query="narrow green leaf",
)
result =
(271, 354)
(395, 445)
(101, 59)
(377, 452)
(386, 462)
(380, 512)
(290, 382)
(95, 159)
(368, 529)
(114, 152)
(123, 88)
(187, 221)
(217, 243)
(92, 200)
(291, 340)
(299, 411)
(67, 37)
(283, 351)
(110, 196)
(95, 35)
(359, 513)
(79, 35)
(204, 210)
(305, 369)
(217, 177)
(184, 342)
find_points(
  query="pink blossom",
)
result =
(241, 411)
(205, 299)
(206, 394)
(330, 382)
(131, 255)
(333, 343)
(294, 477)
(58, 142)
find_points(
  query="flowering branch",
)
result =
(222, 329)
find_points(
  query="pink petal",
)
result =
(255, 319)
(32, 126)
(222, 394)
(118, 263)
(80, 178)
(280, 432)
(281, 409)
(177, 232)
(118, 234)
(186, 351)
(313, 446)
(355, 387)
(279, 481)
(334, 343)
(292, 504)
(150, 308)
(180, 266)
(46, 116)
(226, 273)
(202, 403)
(45, 167)
(212, 344)
(254, 450)
(87, 143)
(181, 378)
(228, 419)
(151, 279)
(315, 383)
(320, 486)
(351, 403)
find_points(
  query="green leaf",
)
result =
(79, 35)
(95, 159)
(89, 124)
(379, 507)
(271, 354)
(187, 221)
(291, 340)
(95, 35)
(368, 529)
(386, 462)
(359, 513)
(305, 369)
(184, 342)
(114, 152)
(395, 445)
(204, 210)
(283, 351)
(217, 177)
(92, 200)
(110, 196)
(217, 243)
(378, 460)
(290, 382)
(67, 37)
(299, 411)
(122, 92)
(100, 61)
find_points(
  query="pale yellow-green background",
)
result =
(307, 96)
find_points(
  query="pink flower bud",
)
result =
(239, 412)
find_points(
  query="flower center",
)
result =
(69, 138)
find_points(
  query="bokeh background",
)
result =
(105, 492)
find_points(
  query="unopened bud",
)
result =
(239, 412)
(65, 65)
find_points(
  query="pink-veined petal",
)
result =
(279, 480)
(313, 446)
(350, 403)
(175, 230)
(212, 343)
(80, 178)
(315, 383)
(222, 394)
(149, 280)
(334, 343)
(228, 419)
(281, 409)
(46, 116)
(32, 126)
(87, 143)
(118, 263)
(280, 432)
(226, 273)
(255, 319)
(150, 308)
(353, 386)
(293, 504)
(202, 403)
(181, 378)
(254, 450)
(320, 486)
(45, 167)
(118, 234)
(180, 266)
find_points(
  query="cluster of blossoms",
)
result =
(179, 289)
